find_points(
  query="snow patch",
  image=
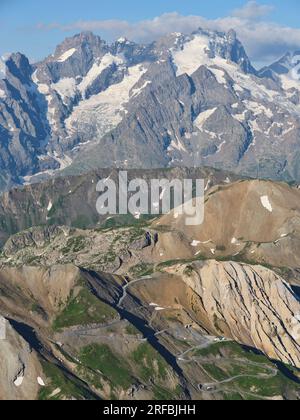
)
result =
(66, 88)
(266, 203)
(42, 87)
(220, 76)
(50, 205)
(105, 109)
(40, 381)
(97, 69)
(177, 145)
(55, 392)
(2, 94)
(240, 117)
(66, 55)
(254, 126)
(18, 382)
(220, 147)
(203, 117)
(136, 92)
(64, 160)
(2, 68)
(259, 109)
(192, 56)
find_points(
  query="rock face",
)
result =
(249, 304)
(19, 368)
(43, 285)
(182, 101)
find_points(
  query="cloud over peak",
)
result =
(265, 41)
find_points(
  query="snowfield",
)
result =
(203, 117)
(107, 108)
(66, 55)
(266, 203)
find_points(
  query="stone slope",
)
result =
(248, 220)
(249, 304)
(19, 368)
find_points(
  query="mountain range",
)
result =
(185, 100)
(205, 313)
(135, 307)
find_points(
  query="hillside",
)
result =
(194, 315)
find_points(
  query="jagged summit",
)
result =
(187, 100)
(288, 64)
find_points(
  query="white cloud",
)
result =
(264, 41)
(253, 10)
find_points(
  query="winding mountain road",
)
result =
(129, 284)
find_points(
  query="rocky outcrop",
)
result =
(37, 237)
(249, 304)
(37, 293)
(19, 367)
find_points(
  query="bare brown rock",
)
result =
(253, 220)
(19, 368)
(249, 304)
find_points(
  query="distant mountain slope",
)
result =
(71, 200)
(182, 101)
(247, 221)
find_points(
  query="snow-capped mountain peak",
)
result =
(3, 60)
(2, 68)
(206, 47)
(286, 71)
(187, 100)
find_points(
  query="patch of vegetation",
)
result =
(269, 387)
(170, 263)
(101, 359)
(124, 221)
(32, 259)
(74, 245)
(149, 362)
(82, 221)
(163, 394)
(84, 309)
(142, 269)
(69, 387)
(132, 330)
(215, 371)
(233, 396)
(253, 372)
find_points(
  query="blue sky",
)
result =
(36, 27)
